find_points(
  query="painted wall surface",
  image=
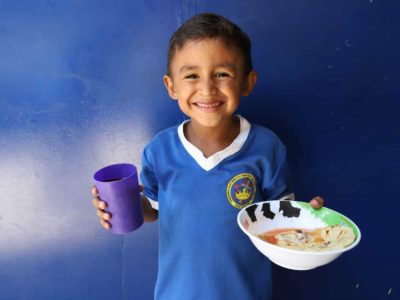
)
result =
(81, 88)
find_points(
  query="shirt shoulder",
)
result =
(163, 138)
(265, 139)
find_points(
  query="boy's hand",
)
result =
(104, 216)
(100, 205)
(317, 202)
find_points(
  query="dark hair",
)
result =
(208, 25)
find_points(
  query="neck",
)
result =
(212, 139)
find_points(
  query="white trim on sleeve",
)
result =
(287, 197)
(153, 203)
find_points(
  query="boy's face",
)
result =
(207, 79)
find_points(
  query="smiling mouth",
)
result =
(208, 107)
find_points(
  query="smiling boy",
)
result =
(207, 78)
(197, 175)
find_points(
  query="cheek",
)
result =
(184, 106)
(230, 87)
(184, 89)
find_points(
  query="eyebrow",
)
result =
(186, 68)
(221, 65)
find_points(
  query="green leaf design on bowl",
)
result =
(328, 216)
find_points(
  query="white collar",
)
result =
(207, 163)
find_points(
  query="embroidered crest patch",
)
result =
(241, 190)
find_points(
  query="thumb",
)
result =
(317, 202)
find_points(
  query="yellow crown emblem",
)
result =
(241, 190)
(242, 195)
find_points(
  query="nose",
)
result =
(207, 87)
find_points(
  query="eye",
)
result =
(221, 75)
(191, 76)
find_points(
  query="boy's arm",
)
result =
(280, 188)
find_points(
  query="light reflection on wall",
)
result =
(46, 176)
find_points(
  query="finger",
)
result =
(95, 202)
(107, 216)
(102, 205)
(100, 214)
(314, 203)
(141, 188)
(317, 202)
(103, 215)
(105, 224)
(95, 192)
(320, 200)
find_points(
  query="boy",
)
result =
(197, 175)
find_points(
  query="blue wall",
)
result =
(80, 88)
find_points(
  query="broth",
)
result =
(319, 239)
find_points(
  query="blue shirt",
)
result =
(202, 252)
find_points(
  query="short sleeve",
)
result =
(148, 179)
(278, 186)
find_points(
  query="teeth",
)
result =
(204, 105)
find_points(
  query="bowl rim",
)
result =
(305, 252)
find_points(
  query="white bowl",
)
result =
(268, 215)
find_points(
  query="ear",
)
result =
(249, 83)
(169, 84)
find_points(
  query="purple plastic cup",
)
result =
(118, 185)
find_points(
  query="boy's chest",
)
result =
(219, 193)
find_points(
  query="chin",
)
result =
(209, 122)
